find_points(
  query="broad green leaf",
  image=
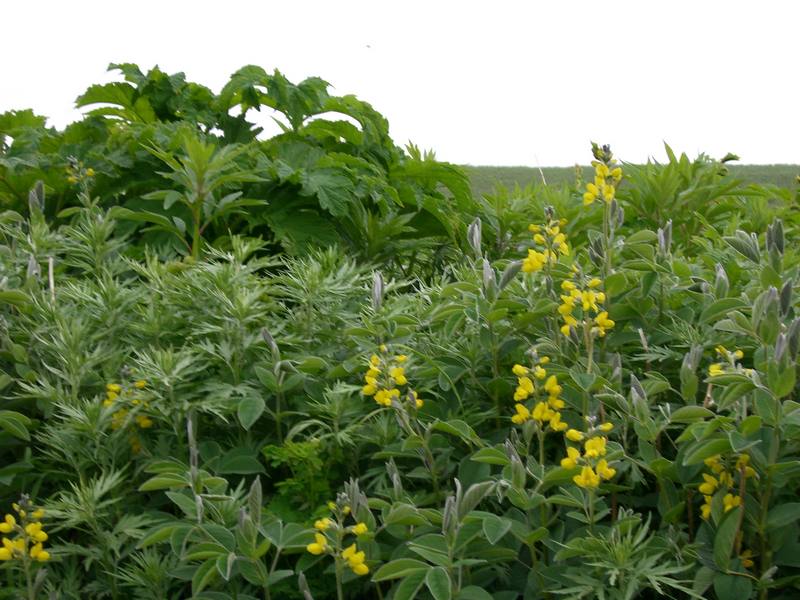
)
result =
(398, 568)
(438, 583)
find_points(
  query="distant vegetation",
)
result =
(484, 179)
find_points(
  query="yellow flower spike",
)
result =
(519, 370)
(571, 460)
(729, 502)
(319, 546)
(322, 524)
(587, 479)
(604, 471)
(534, 262)
(523, 414)
(574, 435)
(715, 369)
(360, 528)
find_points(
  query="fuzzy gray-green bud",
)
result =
(474, 236)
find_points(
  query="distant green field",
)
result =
(484, 179)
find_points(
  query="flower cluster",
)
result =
(77, 171)
(330, 536)
(533, 382)
(29, 537)
(723, 481)
(125, 399)
(550, 242)
(607, 175)
(729, 358)
(594, 467)
(588, 299)
(385, 376)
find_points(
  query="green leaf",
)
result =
(438, 583)
(495, 527)
(15, 423)
(459, 429)
(783, 514)
(473, 592)
(702, 450)
(410, 586)
(687, 414)
(249, 410)
(204, 575)
(492, 456)
(239, 461)
(165, 481)
(732, 587)
(726, 537)
(398, 568)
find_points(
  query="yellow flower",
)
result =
(539, 372)
(140, 384)
(90, 172)
(571, 460)
(556, 424)
(587, 478)
(322, 524)
(565, 330)
(369, 390)
(567, 286)
(144, 421)
(594, 447)
(355, 560)
(541, 412)
(738, 354)
(574, 435)
(39, 513)
(555, 403)
(523, 414)
(319, 546)
(601, 170)
(539, 238)
(114, 387)
(604, 471)
(519, 370)
(710, 485)
(8, 524)
(729, 501)
(616, 173)
(603, 322)
(375, 360)
(551, 386)
(401, 358)
(705, 509)
(534, 262)
(606, 427)
(715, 369)
(747, 559)
(399, 375)
(360, 528)
(594, 282)
(5, 554)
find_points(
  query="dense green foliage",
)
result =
(314, 366)
(484, 179)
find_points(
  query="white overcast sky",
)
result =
(493, 83)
